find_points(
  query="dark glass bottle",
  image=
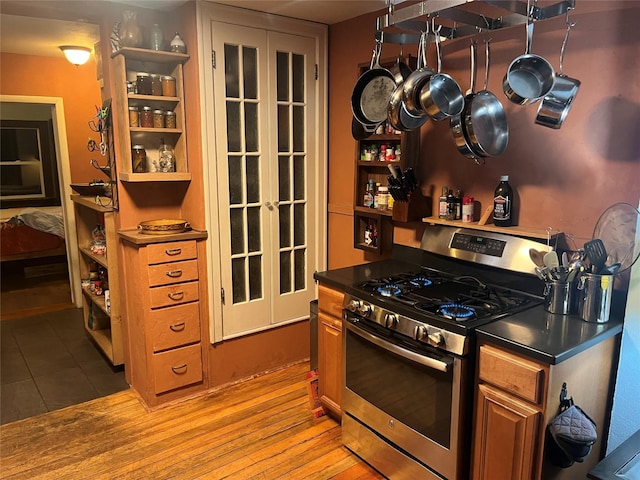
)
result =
(458, 204)
(503, 203)
(451, 206)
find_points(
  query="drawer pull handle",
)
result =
(177, 327)
(173, 251)
(176, 295)
(174, 273)
(180, 369)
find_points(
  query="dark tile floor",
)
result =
(49, 362)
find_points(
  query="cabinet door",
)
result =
(265, 104)
(330, 362)
(506, 437)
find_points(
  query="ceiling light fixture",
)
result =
(76, 55)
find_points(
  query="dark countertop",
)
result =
(547, 337)
(534, 333)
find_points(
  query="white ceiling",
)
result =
(30, 35)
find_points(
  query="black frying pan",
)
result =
(370, 97)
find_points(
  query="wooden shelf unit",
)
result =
(529, 232)
(88, 214)
(127, 62)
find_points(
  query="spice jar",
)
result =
(131, 87)
(168, 86)
(146, 117)
(467, 209)
(158, 119)
(143, 83)
(138, 158)
(166, 158)
(169, 119)
(134, 116)
(156, 85)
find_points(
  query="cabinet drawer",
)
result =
(330, 300)
(174, 326)
(174, 294)
(177, 368)
(171, 252)
(167, 273)
(512, 373)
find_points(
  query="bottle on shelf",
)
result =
(503, 203)
(451, 206)
(458, 204)
(442, 203)
(166, 158)
(177, 45)
(156, 38)
(467, 209)
(369, 194)
(376, 196)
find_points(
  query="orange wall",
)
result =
(563, 178)
(77, 86)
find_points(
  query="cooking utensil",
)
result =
(457, 122)
(361, 131)
(611, 269)
(441, 97)
(616, 228)
(529, 77)
(418, 78)
(565, 260)
(555, 106)
(485, 121)
(537, 257)
(372, 91)
(550, 260)
(398, 115)
(596, 253)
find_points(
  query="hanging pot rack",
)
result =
(457, 19)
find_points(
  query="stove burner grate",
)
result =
(456, 311)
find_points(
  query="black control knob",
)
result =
(420, 332)
(390, 320)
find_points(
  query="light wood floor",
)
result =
(262, 428)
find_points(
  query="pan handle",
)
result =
(487, 62)
(566, 39)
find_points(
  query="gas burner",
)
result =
(388, 291)
(420, 281)
(456, 311)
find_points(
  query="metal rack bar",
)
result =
(400, 24)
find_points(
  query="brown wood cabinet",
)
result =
(164, 315)
(102, 320)
(330, 348)
(127, 62)
(508, 416)
(516, 397)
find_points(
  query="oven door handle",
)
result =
(440, 365)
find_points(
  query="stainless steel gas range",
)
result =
(409, 349)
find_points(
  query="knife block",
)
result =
(414, 209)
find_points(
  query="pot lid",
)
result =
(617, 228)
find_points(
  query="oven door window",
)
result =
(414, 394)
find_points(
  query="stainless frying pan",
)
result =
(555, 106)
(372, 91)
(485, 120)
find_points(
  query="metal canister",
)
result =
(595, 297)
(138, 159)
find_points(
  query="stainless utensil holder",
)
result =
(559, 297)
(595, 297)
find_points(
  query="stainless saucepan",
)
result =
(555, 106)
(372, 91)
(418, 78)
(441, 97)
(529, 77)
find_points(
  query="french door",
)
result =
(265, 115)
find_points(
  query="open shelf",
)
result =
(529, 232)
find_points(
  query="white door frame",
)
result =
(64, 180)
(206, 13)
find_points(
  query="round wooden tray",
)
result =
(163, 227)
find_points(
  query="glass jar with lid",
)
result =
(169, 119)
(156, 85)
(146, 117)
(168, 86)
(166, 158)
(138, 159)
(134, 116)
(158, 119)
(143, 83)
